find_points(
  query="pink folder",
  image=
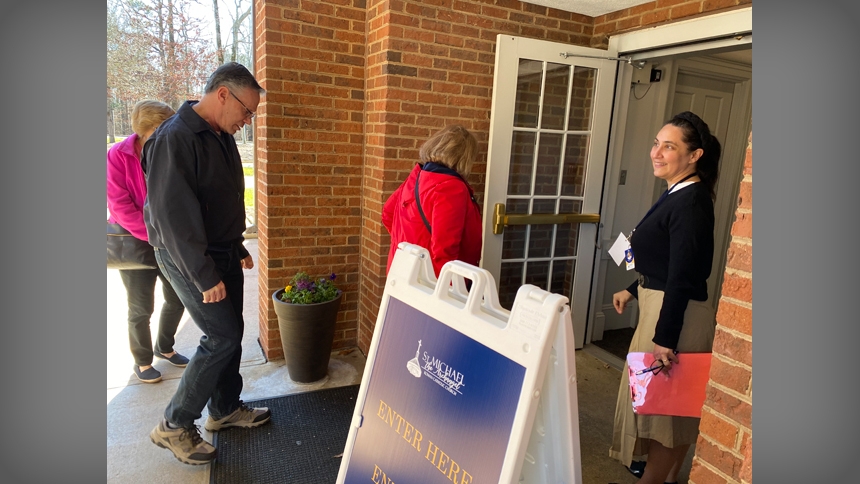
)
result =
(679, 391)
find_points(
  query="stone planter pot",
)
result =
(307, 334)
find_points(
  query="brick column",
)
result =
(310, 59)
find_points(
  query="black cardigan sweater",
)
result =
(674, 246)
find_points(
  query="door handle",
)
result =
(501, 220)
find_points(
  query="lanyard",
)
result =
(660, 200)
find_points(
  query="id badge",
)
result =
(618, 249)
(628, 259)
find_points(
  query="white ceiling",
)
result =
(743, 56)
(591, 8)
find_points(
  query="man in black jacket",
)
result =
(195, 218)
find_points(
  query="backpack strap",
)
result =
(418, 204)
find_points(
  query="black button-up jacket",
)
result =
(195, 194)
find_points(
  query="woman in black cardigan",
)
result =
(673, 248)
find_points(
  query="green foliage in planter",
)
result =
(304, 290)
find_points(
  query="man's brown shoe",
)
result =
(186, 444)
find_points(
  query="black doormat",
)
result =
(616, 341)
(303, 442)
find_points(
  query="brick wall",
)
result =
(355, 86)
(724, 449)
(310, 58)
(655, 13)
(430, 64)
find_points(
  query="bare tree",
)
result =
(245, 8)
(219, 49)
(110, 127)
(156, 50)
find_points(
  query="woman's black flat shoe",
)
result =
(637, 468)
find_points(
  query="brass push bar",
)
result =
(500, 219)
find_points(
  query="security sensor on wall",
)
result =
(643, 75)
(646, 75)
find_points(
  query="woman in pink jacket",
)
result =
(126, 192)
(444, 218)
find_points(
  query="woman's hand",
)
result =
(666, 355)
(620, 299)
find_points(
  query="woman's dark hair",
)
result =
(698, 135)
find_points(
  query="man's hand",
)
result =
(216, 294)
(247, 263)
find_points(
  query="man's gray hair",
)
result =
(234, 76)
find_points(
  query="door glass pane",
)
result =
(527, 105)
(537, 274)
(562, 277)
(514, 238)
(548, 160)
(540, 236)
(575, 158)
(540, 240)
(567, 235)
(555, 96)
(510, 280)
(582, 98)
(522, 157)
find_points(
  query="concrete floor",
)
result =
(134, 408)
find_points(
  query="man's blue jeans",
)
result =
(212, 375)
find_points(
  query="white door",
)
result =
(549, 130)
(711, 99)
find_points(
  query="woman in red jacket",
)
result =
(444, 218)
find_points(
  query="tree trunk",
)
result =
(219, 50)
(111, 130)
(161, 48)
(171, 52)
(237, 25)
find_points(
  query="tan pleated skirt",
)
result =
(631, 434)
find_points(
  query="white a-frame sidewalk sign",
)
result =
(458, 389)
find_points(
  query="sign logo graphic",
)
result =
(437, 370)
(413, 365)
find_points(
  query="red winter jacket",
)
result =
(447, 201)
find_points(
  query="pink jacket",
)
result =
(126, 187)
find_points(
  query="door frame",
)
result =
(734, 146)
(724, 30)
